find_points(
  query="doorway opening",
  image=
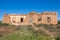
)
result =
(21, 19)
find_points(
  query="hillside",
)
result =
(28, 32)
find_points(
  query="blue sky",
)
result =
(26, 6)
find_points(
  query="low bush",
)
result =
(18, 27)
(58, 26)
(58, 21)
(58, 37)
(24, 34)
(1, 35)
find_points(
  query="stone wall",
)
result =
(32, 17)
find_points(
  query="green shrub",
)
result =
(1, 35)
(58, 21)
(0, 22)
(18, 27)
(58, 26)
(3, 24)
(25, 32)
(41, 25)
(26, 35)
(58, 37)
